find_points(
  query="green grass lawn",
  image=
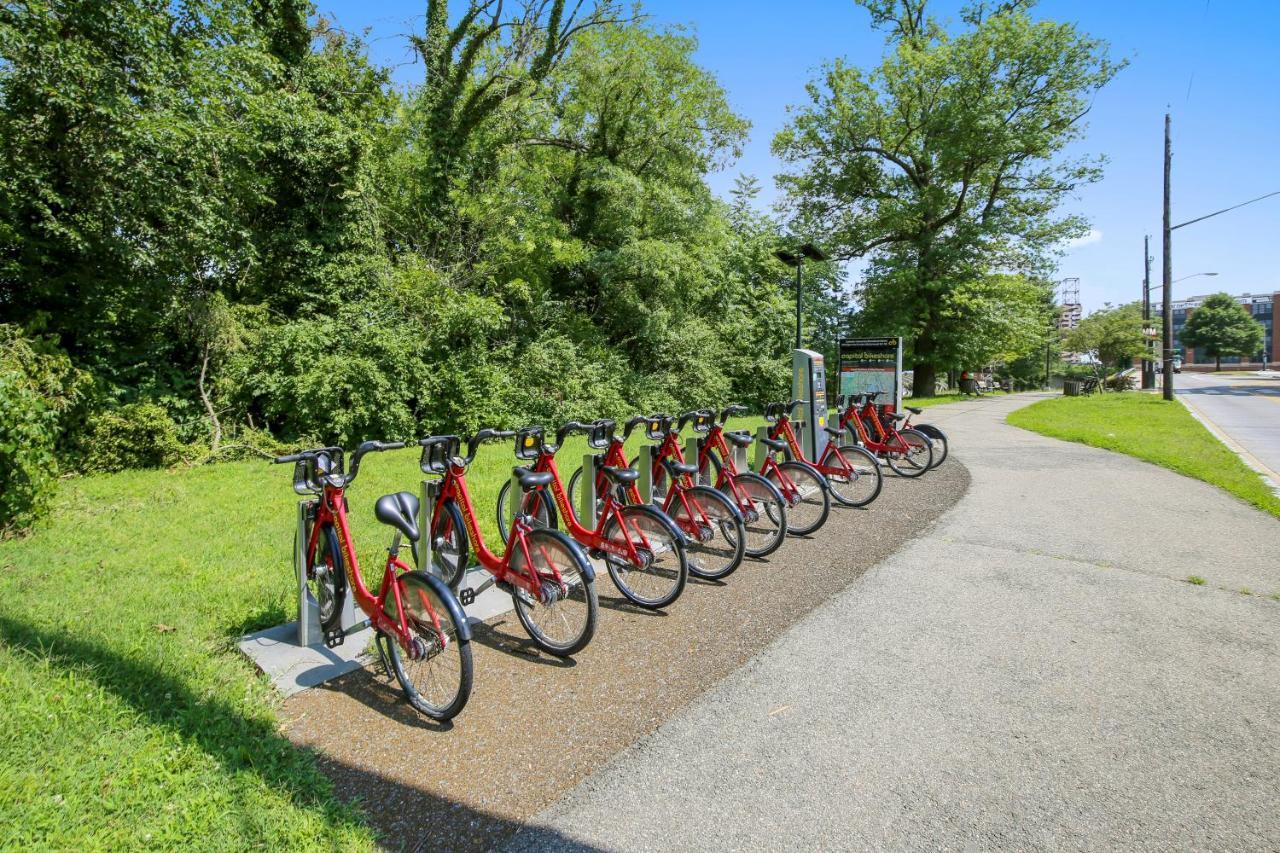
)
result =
(1145, 426)
(130, 719)
(938, 400)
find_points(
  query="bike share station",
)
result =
(872, 364)
(294, 655)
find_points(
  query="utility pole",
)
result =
(1167, 273)
(1148, 365)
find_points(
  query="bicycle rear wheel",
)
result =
(537, 504)
(764, 513)
(562, 620)
(714, 528)
(808, 504)
(916, 459)
(863, 480)
(664, 568)
(435, 672)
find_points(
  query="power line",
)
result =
(1224, 210)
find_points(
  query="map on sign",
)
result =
(872, 364)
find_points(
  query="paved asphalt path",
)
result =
(1246, 409)
(1031, 672)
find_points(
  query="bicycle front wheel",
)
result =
(663, 569)
(563, 618)
(714, 528)
(537, 504)
(327, 579)
(861, 482)
(808, 504)
(916, 459)
(764, 513)
(449, 545)
(434, 670)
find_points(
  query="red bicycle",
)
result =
(907, 451)
(711, 524)
(421, 628)
(764, 510)
(640, 545)
(803, 487)
(937, 438)
(852, 473)
(548, 576)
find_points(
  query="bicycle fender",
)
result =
(672, 528)
(456, 613)
(929, 430)
(822, 478)
(572, 544)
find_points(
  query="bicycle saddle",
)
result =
(832, 431)
(915, 410)
(741, 439)
(619, 476)
(774, 443)
(531, 480)
(897, 416)
(400, 510)
(682, 468)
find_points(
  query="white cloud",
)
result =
(1094, 236)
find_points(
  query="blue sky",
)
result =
(1215, 64)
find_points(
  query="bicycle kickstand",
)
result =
(378, 640)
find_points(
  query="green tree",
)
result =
(1221, 326)
(1112, 337)
(946, 161)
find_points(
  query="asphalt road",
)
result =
(1246, 409)
(1033, 671)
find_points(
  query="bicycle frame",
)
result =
(454, 487)
(887, 438)
(332, 509)
(840, 467)
(546, 462)
(786, 485)
(670, 447)
(715, 451)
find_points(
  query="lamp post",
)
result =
(796, 259)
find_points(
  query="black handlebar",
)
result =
(729, 411)
(773, 411)
(320, 465)
(702, 420)
(649, 423)
(486, 434)
(572, 426)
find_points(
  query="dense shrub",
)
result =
(139, 435)
(37, 386)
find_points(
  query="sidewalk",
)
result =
(1032, 671)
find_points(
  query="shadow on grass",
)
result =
(403, 816)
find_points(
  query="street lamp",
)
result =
(796, 259)
(1193, 275)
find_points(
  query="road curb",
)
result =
(1269, 477)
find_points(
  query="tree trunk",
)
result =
(925, 383)
(1217, 363)
(216, 440)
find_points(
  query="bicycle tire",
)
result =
(726, 523)
(329, 589)
(669, 582)
(766, 532)
(938, 439)
(813, 495)
(845, 492)
(570, 562)
(451, 682)
(906, 465)
(449, 545)
(545, 516)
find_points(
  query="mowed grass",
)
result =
(130, 718)
(1145, 426)
(938, 400)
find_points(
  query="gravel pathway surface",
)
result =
(1032, 672)
(535, 726)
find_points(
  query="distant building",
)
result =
(1070, 317)
(1263, 307)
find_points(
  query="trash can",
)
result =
(1071, 388)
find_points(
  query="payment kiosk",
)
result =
(809, 383)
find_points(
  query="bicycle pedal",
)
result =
(333, 639)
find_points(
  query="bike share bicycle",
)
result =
(549, 578)
(422, 633)
(801, 484)
(907, 451)
(764, 510)
(937, 438)
(642, 548)
(712, 526)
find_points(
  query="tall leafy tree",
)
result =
(946, 161)
(1112, 337)
(1222, 327)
